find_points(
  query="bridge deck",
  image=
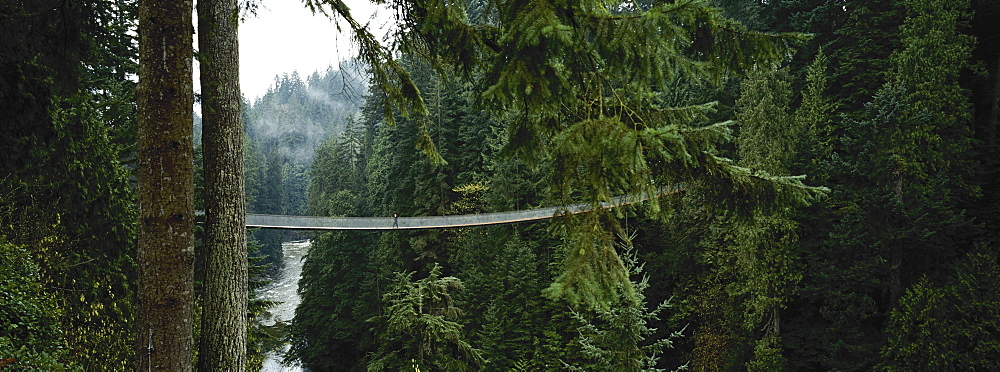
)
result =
(387, 223)
(269, 221)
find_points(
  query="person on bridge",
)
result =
(395, 220)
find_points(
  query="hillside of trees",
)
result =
(284, 128)
(839, 159)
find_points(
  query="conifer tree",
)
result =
(868, 35)
(921, 163)
(419, 330)
(954, 326)
(338, 294)
(502, 296)
(617, 339)
(223, 344)
(935, 54)
(815, 118)
(165, 102)
(753, 258)
(764, 246)
(333, 176)
(815, 122)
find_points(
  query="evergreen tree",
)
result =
(223, 337)
(284, 128)
(764, 248)
(339, 287)
(256, 166)
(815, 123)
(748, 298)
(984, 89)
(332, 184)
(166, 194)
(774, 287)
(338, 293)
(930, 148)
(860, 58)
(815, 117)
(502, 297)
(613, 340)
(949, 327)
(419, 330)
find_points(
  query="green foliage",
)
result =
(419, 330)
(255, 166)
(814, 119)
(285, 129)
(80, 229)
(289, 123)
(901, 166)
(338, 295)
(935, 54)
(768, 135)
(502, 297)
(954, 326)
(910, 166)
(66, 102)
(753, 258)
(764, 245)
(387, 73)
(332, 179)
(593, 273)
(767, 355)
(613, 339)
(868, 35)
(30, 333)
(582, 83)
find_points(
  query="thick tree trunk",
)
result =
(224, 316)
(165, 101)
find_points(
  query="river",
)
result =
(285, 291)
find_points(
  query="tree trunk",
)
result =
(165, 98)
(224, 306)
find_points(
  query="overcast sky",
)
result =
(286, 37)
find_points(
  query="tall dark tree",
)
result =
(166, 186)
(928, 151)
(223, 344)
(870, 32)
(419, 329)
(763, 248)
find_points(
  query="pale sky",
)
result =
(286, 37)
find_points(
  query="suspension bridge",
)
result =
(270, 221)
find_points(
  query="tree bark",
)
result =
(165, 100)
(224, 306)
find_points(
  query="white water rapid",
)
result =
(284, 291)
